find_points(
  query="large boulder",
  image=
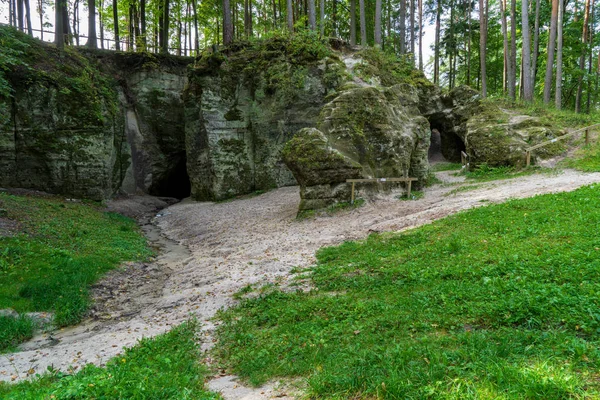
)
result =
(364, 132)
(487, 133)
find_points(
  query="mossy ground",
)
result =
(61, 249)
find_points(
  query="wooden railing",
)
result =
(563, 137)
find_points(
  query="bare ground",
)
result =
(212, 250)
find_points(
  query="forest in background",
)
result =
(542, 50)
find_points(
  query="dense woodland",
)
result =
(542, 50)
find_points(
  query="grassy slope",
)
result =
(63, 248)
(496, 302)
(165, 367)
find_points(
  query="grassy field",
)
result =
(61, 248)
(165, 367)
(500, 302)
(587, 158)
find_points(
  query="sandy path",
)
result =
(231, 245)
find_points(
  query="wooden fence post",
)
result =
(528, 157)
(587, 136)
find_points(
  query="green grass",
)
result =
(586, 159)
(63, 248)
(496, 302)
(14, 331)
(164, 367)
(485, 173)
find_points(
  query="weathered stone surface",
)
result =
(364, 132)
(487, 133)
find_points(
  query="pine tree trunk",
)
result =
(412, 28)
(536, 43)
(59, 38)
(322, 19)
(469, 38)
(559, 56)
(584, 37)
(551, 47)
(312, 15)
(363, 23)
(227, 23)
(92, 41)
(526, 54)
(436, 64)
(100, 17)
(353, 22)
(290, 16)
(505, 45)
(451, 46)
(116, 25)
(75, 18)
(591, 40)
(196, 38)
(28, 17)
(143, 32)
(482, 46)
(377, 23)
(20, 16)
(420, 35)
(512, 55)
(403, 26)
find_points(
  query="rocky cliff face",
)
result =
(92, 123)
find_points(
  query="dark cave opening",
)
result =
(175, 182)
(445, 146)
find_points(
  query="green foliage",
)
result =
(164, 367)
(64, 247)
(495, 302)
(389, 69)
(484, 173)
(14, 331)
(83, 92)
(586, 159)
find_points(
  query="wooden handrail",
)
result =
(563, 137)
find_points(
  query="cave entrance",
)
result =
(175, 182)
(445, 146)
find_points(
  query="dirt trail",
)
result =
(215, 249)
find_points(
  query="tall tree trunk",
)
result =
(512, 56)
(312, 15)
(436, 63)
(363, 23)
(75, 21)
(196, 38)
(551, 47)
(378, 23)
(28, 18)
(536, 42)
(322, 19)
(505, 46)
(20, 16)
(412, 28)
(353, 22)
(591, 41)
(143, 23)
(451, 46)
(92, 41)
(584, 37)
(469, 38)
(59, 37)
(403, 26)
(11, 13)
(115, 25)
(166, 25)
(526, 52)
(100, 18)
(559, 56)
(290, 16)
(227, 23)
(421, 35)
(40, 6)
(482, 45)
